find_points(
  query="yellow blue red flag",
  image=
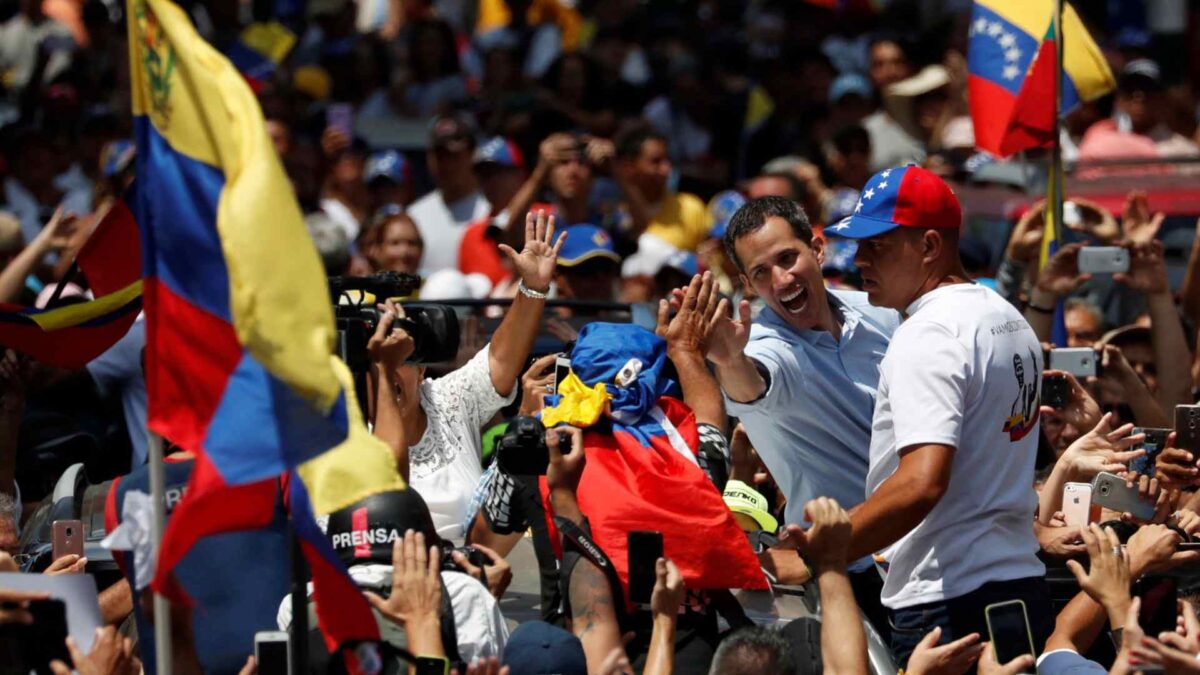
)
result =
(239, 327)
(1013, 62)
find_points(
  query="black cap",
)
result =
(1140, 75)
(363, 532)
(452, 132)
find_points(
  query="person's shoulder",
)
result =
(882, 317)
(689, 203)
(426, 205)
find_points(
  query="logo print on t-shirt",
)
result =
(1023, 416)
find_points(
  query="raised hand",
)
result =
(668, 589)
(728, 336)
(565, 469)
(1138, 225)
(111, 655)
(689, 331)
(416, 583)
(536, 383)
(1147, 269)
(1081, 410)
(1107, 578)
(988, 665)
(390, 347)
(535, 263)
(1102, 449)
(498, 572)
(824, 544)
(1060, 276)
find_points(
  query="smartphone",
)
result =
(340, 116)
(31, 648)
(272, 653)
(1156, 440)
(1078, 361)
(562, 369)
(645, 548)
(1187, 427)
(67, 538)
(1159, 596)
(1071, 214)
(1056, 391)
(1103, 260)
(1077, 505)
(1111, 492)
(432, 665)
(1008, 630)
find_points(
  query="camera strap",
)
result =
(585, 546)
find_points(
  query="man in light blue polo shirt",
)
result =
(803, 377)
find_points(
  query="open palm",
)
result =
(535, 263)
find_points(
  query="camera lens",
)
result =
(1104, 489)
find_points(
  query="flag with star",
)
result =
(1012, 60)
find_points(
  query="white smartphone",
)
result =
(271, 651)
(562, 369)
(1078, 361)
(1103, 260)
(1077, 504)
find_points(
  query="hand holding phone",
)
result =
(1155, 443)
(1056, 391)
(1103, 260)
(1077, 505)
(1111, 492)
(1008, 630)
(67, 538)
(1078, 361)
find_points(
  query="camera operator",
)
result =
(439, 421)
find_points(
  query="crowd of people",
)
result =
(737, 220)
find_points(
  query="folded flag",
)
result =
(72, 335)
(642, 472)
(239, 328)
(1013, 62)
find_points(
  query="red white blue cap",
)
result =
(905, 196)
(500, 150)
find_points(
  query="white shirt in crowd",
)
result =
(444, 465)
(442, 226)
(963, 370)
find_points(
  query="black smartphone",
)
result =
(1187, 427)
(1008, 626)
(1156, 440)
(1056, 391)
(1159, 606)
(33, 646)
(272, 653)
(645, 548)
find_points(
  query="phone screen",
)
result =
(645, 548)
(562, 369)
(1156, 440)
(272, 656)
(1010, 630)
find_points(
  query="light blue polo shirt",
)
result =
(812, 427)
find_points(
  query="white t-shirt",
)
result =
(442, 226)
(444, 465)
(963, 370)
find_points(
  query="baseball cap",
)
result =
(1140, 75)
(386, 165)
(537, 648)
(721, 209)
(847, 84)
(684, 261)
(116, 157)
(452, 132)
(586, 242)
(743, 499)
(905, 196)
(500, 151)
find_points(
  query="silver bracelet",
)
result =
(529, 292)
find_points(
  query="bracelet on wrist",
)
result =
(529, 292)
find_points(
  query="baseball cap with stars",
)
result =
(905, 196)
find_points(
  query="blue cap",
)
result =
(502, 151)
(586, 242)
(685, 262)
(537, 648)
(721, 209)
(849, 83)
(905, 196)
(388, 164)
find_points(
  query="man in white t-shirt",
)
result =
(950, 501)
(442, 216)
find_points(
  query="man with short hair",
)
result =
(753, 651)
(677, 218)
(955, 432)
(442, 216)
(802, 379)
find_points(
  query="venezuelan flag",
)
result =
(239, 328)
(642, 472)
(72, 335)
(1012, 61)
(259, 51)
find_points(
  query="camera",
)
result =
(522, 450)
(434, 328)
(474, 556)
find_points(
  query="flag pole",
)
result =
(158, 500)
(1056, 162)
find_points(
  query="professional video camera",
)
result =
(434, 328)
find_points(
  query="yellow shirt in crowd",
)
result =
(682, 221)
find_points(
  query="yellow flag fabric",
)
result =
(580, 405)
